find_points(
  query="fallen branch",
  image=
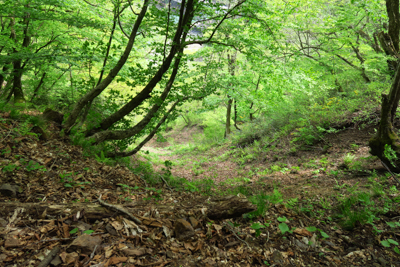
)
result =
(133, 218)
(49, 257)
(233, 232)
(393, 175)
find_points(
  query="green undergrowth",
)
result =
(23, 122)
(347, 207)
(286, 127)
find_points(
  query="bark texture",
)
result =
(111, 75)
(385, 139)
(215, 209)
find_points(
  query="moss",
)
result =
(385, 136)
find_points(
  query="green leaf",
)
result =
(391, 224)
(257, 226)
(74, 231)
(396, 249)
(385, 243)
(311, 229)
(67, 185)
(88, 232)
(284, 228)
(324, 235)
(282, 219)
(391, 241)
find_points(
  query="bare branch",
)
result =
(218, 25)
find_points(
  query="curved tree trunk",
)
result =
(386, 136)
(82, 102)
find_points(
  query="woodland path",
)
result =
(57, 216)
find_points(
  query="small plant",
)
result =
(284, 170)
(292, 202)
(168, 167)
(33, 166)
(127, 188)
(295, 169)
(313, 229)
(334, 173)
(275, 168)
(337, 186)
(388, 242)
(103, 159)
(325, 203)
(258, 226)
(10, 167)
(348, 159)
(283, 226)
(74, 231)
(390, 154)
(324, 161)
(354, 146)
(261, 200)
(69, 181)
(393, 224)
(358, 208)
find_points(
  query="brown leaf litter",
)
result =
(56, 220)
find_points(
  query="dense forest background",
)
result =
(121, 70)
(218, 132)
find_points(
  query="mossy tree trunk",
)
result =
(18, 67)
(231, 70)
(386, 134)
(390, 41)
(228, 117)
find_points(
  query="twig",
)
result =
(233, 232)
(49, 257)
(144, 181)
(53, 162)
(394, 177)
(91, 256)
(162, 178)
(9, 132)
(120, 210)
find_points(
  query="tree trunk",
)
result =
(231, 70)
(386, 134)
(235, 112)
(6, 92)
(82, 102)
(17, 83)
(252, 103)
(392, 8)
(2, 77)
(216, 209)
(17, 64)
(387, 45)
(390, 41)
(36, 91)
(228, 117)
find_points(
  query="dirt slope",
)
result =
(53, 192)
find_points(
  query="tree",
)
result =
(386, 144)
(157, 22)
(34, 40)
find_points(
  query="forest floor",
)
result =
(50, 213)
